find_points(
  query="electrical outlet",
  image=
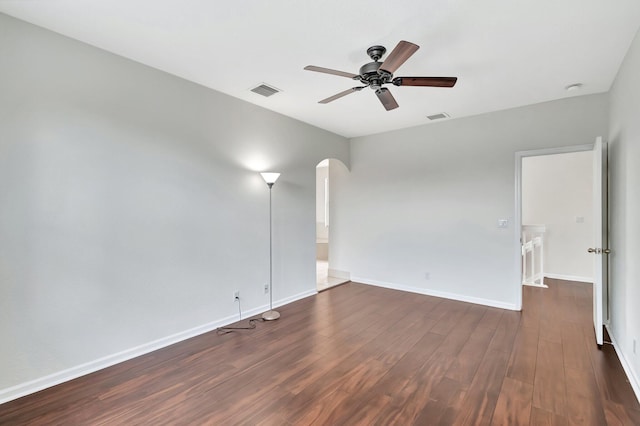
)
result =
(266, 289)
(634, 346)
(236, 295)
(427, 275)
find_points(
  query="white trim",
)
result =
(536, 285)
(326, 202)
(568, 277)
(558, 150)
(288, 300)
(345, 275)
(517, 221)
(626, 366)
(436, 293)
(41, 383)
(32, 386)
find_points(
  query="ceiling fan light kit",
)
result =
(376, 74)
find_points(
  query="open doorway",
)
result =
(557, 217)
(326, 277)
(593, 240)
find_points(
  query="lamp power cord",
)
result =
(252, 323)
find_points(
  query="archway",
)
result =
(329, 174)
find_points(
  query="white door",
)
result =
(599, 250)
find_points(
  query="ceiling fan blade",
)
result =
(425, 81)
(387, 99)
(341, 94)
(330, 71)
(398, 56)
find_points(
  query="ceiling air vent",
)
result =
(265, 90)
(438, 116)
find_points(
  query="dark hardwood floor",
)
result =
(357, 354)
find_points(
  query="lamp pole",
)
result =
(270, 315)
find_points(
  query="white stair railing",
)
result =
(533, 255)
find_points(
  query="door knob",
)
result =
(598, 251)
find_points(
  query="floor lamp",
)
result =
(270, 315)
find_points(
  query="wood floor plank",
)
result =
(532, 313)
(407, 404)
(464, 326)
(549, 389)
(514, 404)
(612, 381)
(482, 396)
(574, 350)
(491, 318)
(444, 399)
(465, 364)
(446, 323)
(617, 415)
(522, 364)
(540, 417)
(358, 354)
(506, 332)
(582, 390)
(551, 311)
(549, 329)
(369, 413)
(404, 371)
(580, 411)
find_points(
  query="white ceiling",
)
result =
(505, 53)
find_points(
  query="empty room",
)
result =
(327, 213)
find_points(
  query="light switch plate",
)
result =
(503, 223)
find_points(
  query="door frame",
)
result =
(517, 222)
(601, 241)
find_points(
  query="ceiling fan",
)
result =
(375, 74)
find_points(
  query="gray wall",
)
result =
(131, 205)
(624, 201)
(427, 199)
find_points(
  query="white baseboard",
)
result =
(626, 366)
(536, 285)
(288, 300)
(41, 383)
(32, 386)
(339, 274)
(436, 293)
(568, 277)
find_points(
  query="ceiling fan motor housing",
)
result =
(370, 75)
(370, 69)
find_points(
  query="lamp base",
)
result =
(271, 315)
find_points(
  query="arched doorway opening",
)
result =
(328, 177)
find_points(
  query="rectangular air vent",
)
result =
(265, 90)
(438, 116)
